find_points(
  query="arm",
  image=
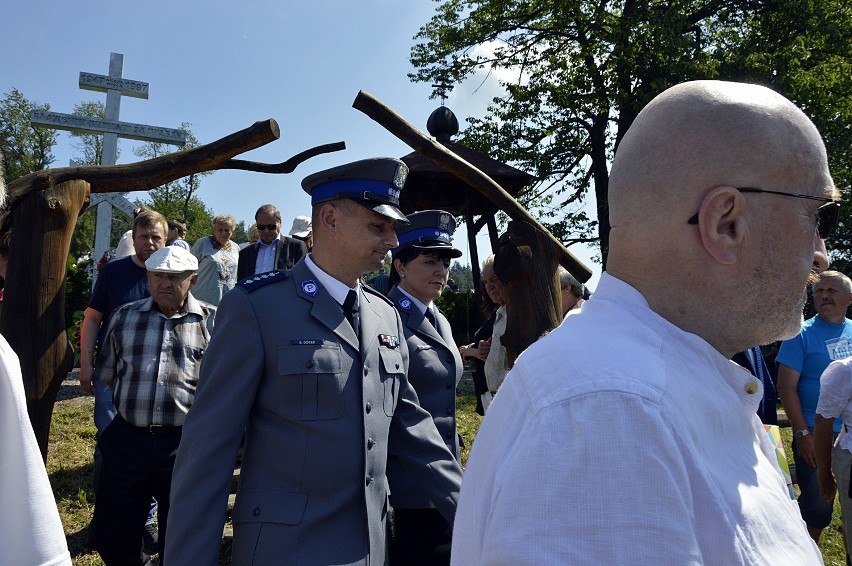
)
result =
(231, 372)
(788, 380)
(823, 435)
(92, 320)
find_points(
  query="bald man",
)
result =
(627, 434)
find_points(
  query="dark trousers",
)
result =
(419, 537)
(136, 465)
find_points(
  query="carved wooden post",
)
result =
(526, 261)
(33, 316)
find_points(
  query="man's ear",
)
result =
(722, 224)
(193, 280)
(328, 216)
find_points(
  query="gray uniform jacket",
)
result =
(434, 370)
(320, 413)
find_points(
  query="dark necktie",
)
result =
(430, 316)
(350, 311)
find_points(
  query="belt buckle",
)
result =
(156, 429)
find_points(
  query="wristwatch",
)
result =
(801, 433)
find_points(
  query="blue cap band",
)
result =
(366, 189)
(427, 234)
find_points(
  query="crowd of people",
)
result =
(634, 431)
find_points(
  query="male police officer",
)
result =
(319, 385)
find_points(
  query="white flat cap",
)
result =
(171, 259)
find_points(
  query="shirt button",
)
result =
(751, 387)
(365, 372)
(370, 443)
(369, 480)
(369, 408)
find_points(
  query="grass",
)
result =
(72, 440)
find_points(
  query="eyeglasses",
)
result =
(828, 215)
(267, 226)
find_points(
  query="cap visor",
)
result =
(384, 209)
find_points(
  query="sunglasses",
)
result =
(267, 226)
(828, 215)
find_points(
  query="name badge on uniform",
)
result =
(388, 340)
(305, 342)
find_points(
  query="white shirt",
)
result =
(29, 527)
(265, 256)
(835, 397)
(497, 364)
(619, 438)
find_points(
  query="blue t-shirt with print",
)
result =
(817, 345)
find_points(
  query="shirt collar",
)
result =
(337, 289)
(190, 306)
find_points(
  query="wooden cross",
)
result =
(115, 87)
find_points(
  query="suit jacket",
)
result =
(434, 370)
(287, 253)
(320, 410)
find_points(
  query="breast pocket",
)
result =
(310, 384)
(391, 376)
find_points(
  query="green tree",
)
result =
(25, 148)
(90, 150)
(179, 199)
(576, 73)
(91, 146)
(462, 275)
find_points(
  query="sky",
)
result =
(221, 66)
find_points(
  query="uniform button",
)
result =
(256, 511)
(369, 480)
(310, 364)
(751, 387)
(449, 385)
(449, 411)
(370, 443)
(369, 407)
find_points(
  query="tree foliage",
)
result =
(576, 73)
(25, 148)
(179, 199)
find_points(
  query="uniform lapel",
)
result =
(325, 309)
(370, 320)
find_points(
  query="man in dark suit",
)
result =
(272, 250)
(313, 367)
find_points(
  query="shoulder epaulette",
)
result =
(369, 290)
(255, 282)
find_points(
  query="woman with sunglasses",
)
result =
(421, 262)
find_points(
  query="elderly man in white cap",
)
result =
(150, 358)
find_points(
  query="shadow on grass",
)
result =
(68, 483)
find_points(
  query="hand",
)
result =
(86, 379)
(827, 484)
(805, 446)
(484, 348)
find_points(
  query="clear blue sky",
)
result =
(221, 66)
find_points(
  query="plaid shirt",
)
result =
(154, 360)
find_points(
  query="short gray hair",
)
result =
(567, 280)
(847, 283)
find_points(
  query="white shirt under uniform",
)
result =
(619, 438)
